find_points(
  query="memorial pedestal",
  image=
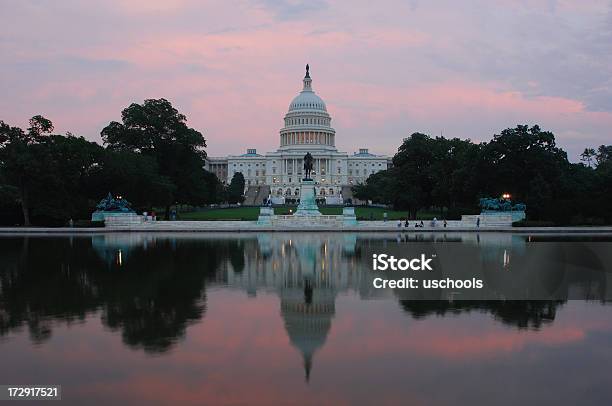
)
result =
(308, 204)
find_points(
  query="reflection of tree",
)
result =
(158, 292)
(151, 298)
(520, 313)
(41, 280)
(237, 256)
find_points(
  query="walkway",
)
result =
(251, 226)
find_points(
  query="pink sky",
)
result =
(385, 70)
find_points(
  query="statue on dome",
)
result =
(308, 164)
(307, 71)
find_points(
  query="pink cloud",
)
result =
(233, 69)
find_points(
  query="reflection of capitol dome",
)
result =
(307, 270)
(308, 314)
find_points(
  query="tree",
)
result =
(604, 154)
(426, 172)
(453, 171)
(40, 125)
(156, 129)
(587, 156)
(604, 180)
(55, 177)
(22, 159)
(523, 161)
(412, 189)
(134, 176)
(518, 155)
(377, 188)
(61, 193)
(235, 190)
(50, 174)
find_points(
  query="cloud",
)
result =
(293, 9)
(62, 66)
(232, 66)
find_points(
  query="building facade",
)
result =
(307, 128)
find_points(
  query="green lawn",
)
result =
(234, 213)
(251, 213)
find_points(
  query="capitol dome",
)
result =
(307, 99)
(307, 121)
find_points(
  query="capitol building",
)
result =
(307, 128)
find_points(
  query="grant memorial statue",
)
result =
(115, 211)
(308, 164)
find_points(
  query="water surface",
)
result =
(293, 318)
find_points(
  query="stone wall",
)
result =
(125, 219)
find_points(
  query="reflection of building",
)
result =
(284, 259)
(307, 270)
(307, 309)
(307, 128)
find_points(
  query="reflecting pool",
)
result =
(294, 319)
